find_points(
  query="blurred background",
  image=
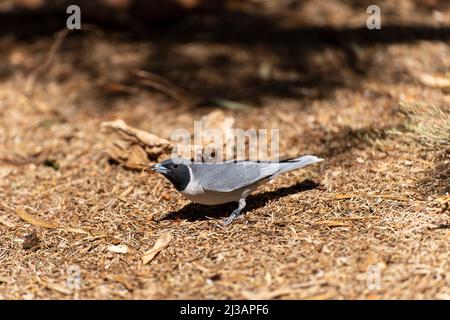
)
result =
(220, 49)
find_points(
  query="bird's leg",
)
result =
(235, 212)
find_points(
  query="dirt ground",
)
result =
(370, 222)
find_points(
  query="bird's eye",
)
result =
(175, 166)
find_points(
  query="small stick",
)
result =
(39, 71)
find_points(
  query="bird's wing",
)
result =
(229, 176)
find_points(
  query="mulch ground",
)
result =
(371, 221)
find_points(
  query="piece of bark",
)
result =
(432, 80)
(134, 148)
(137, 149)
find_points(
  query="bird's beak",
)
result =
(159, 168)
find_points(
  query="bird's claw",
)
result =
(227, 221)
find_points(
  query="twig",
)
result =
(165, 86)
(40, 70)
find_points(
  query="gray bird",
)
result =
(218, 183)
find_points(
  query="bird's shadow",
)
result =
(198, 212)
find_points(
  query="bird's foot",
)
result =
(236, 213)
(230, 219)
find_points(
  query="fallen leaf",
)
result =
(343, 196)
(34, 221)
(21, 213)
(118, 249)
(160, 244)
(4, 279)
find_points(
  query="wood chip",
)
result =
(121, 248)
(392, 197)
(126, 192)
(7, 224)
(434, 81)
(5, 171)
(359, 218)
(75, 230)
(160, 244)
(333, 223)
(343, 196)
(122, 280)
(58, 288)
(443, 199)
(266, 294)
(323, 296)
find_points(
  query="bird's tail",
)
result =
(297, 163)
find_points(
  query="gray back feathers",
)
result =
(229, 176)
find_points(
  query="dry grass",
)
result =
(426, 124)
(378, 200)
